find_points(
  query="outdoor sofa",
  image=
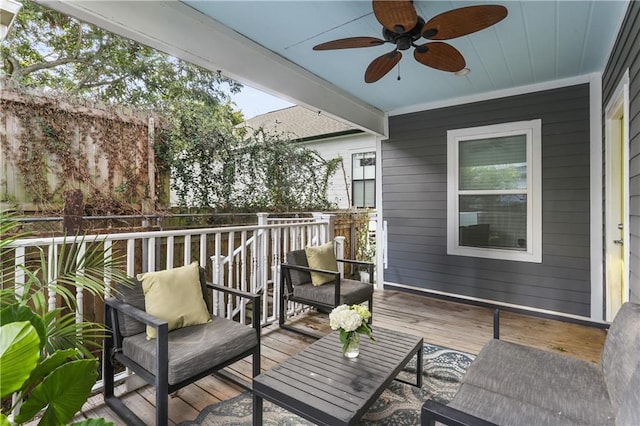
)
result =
(511, 384)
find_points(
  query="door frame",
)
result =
(617, 107)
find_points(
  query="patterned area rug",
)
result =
(398, 405)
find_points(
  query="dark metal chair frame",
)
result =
(286, 292)
(112, 351)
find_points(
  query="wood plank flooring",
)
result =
(454, 325)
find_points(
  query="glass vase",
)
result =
(352, 348)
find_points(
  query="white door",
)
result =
(616, 196)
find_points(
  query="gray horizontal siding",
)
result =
(626, 55)
(414, 196)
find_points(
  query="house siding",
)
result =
(414, 195)
(626, 55)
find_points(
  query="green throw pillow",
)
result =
(321, 257)
(174, 295)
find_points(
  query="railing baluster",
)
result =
(151, 254)
(203, 249)
(254, 262)
(51, 274)
(243, 274)
(219, 307)
(170, 251)
(19, 271)
(229, 260)
(131, 256)
(108, 253)
(79, 292)
(187, 249)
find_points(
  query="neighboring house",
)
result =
(354, 183)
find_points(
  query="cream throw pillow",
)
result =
(174, 295)
(321, 257)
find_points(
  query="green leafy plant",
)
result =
(46, 361)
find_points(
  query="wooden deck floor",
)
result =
(454, 325)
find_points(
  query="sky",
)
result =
(254, 102)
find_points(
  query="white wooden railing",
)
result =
(241, 257)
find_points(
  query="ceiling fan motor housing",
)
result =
(404, 40)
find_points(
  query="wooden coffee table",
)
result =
(322, 386)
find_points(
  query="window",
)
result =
(494, 186)
(364, 179)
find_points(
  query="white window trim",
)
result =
(533, 130)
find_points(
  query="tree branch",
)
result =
(44, 66)
(83, 85)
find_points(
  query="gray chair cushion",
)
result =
(629, 409)
(538, 378)
(298, 258)
(351, 292)
(193, 349)
(502, 410)
(134, 296)
(621, 351)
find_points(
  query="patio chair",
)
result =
(299, 283)
(177, 356)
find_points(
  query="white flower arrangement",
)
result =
(349, 320)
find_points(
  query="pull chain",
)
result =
(398, 71)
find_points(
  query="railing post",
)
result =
(331, 228)
(262, 218)
(340, 253)
(262, 247)
(353, 236)
(373, 218)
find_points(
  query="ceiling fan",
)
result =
(403, 27)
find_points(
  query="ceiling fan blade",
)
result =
(348, 43)
(396, 16)
(440, 56)
(380, 66)
(463, 21)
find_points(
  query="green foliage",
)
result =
(19, 353)
(45, 355)
(262, 172)
(56, 385)
(48, 49)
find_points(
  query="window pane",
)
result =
(369, 193)
(497, 221)
(494, 163)
(369, 164)
(358, 194)
(357, 171)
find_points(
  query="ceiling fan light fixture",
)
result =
(462, 72)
